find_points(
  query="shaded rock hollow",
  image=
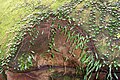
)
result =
(59, 58)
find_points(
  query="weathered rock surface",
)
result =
(62, 61)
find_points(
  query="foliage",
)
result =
(25, 61)
(102, 24)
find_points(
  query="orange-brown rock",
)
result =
(48, 74)
(63, 57)
(1, 77)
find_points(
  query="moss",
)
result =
(12, 11)
(103, 28)
(59, 3)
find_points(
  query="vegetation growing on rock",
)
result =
(86, 32)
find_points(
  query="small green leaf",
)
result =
(97, 75)
(52, 55)
(115, 76)
(56, 50)
(83, 58)
(118, 65)
(87, 59)
(0, 51)
(73, 19)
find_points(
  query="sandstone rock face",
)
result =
(60, 62)
(50, 74)
(46, 65)
(1, 77)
